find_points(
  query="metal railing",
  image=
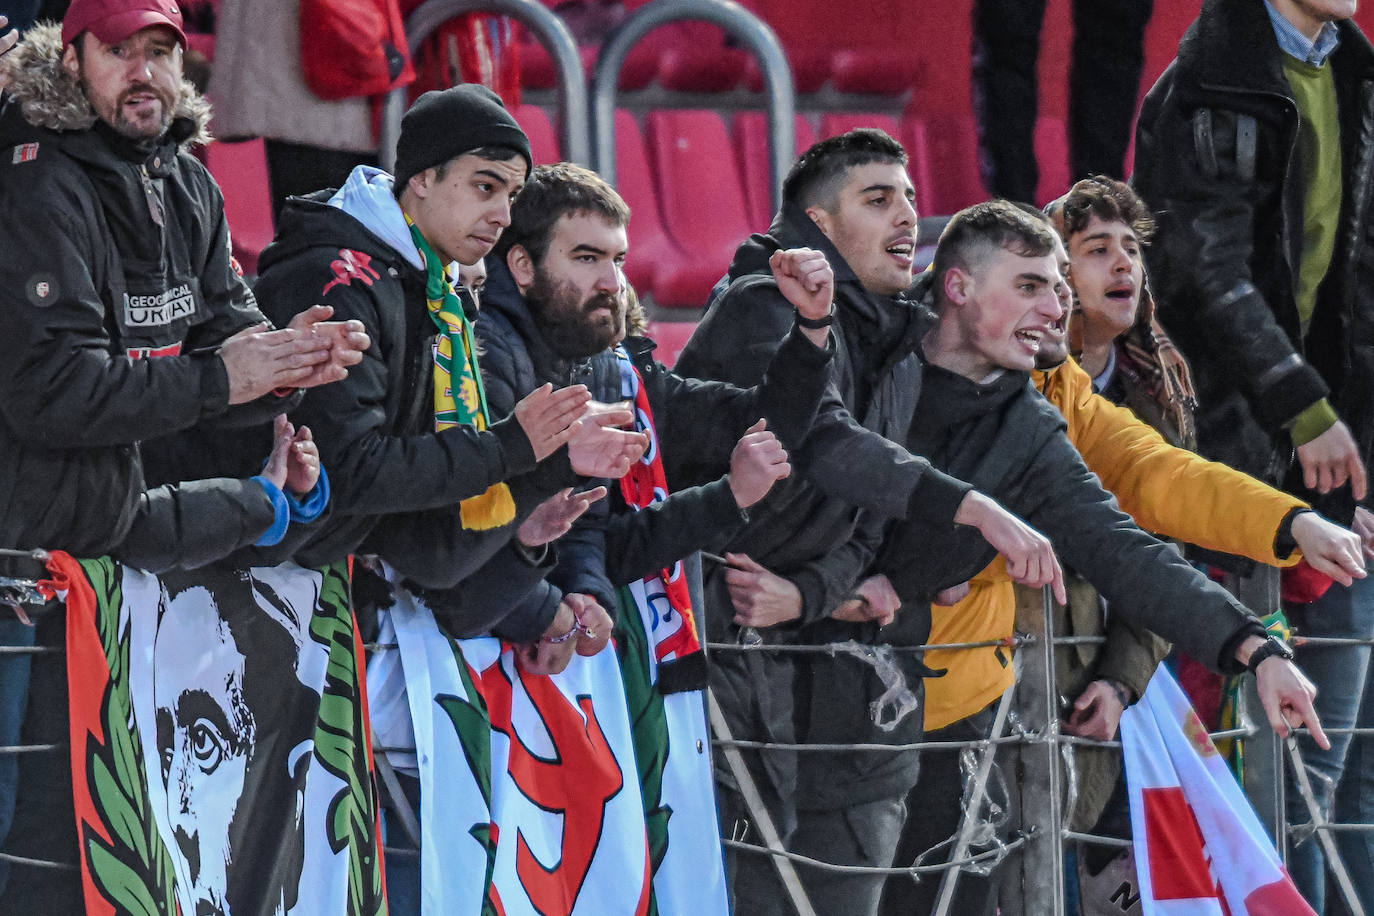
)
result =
(738, 22)
(1037, 886)
(551, 32)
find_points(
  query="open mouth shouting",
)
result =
(902, 250)
(1123, 291)
(1031, 338)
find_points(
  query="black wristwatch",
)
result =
(1271, 646)
(813, 324)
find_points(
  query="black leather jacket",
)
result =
(1217, 159)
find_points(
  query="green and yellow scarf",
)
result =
(495, 507)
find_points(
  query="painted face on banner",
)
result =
(234, 734)
(205, 734)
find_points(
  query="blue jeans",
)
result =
(1345, 773)
(14, 700)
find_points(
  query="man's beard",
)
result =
(127, 128)
(567, 325)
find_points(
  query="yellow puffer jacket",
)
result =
(1167, 490)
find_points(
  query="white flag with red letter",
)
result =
(1199, 848)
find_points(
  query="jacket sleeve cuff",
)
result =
(214, 383)
(516, 449)
(1312, 422)
(937, 497)
(272, 536)
(307, 509)
(813, 595)
(1226, 659)
(532, 617)
(1290, 388)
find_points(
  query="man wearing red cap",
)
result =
(124, 325)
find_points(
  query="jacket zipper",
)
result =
(151, 196)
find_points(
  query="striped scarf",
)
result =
(495, 507)
(662, 598)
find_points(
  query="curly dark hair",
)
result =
(1106, 198)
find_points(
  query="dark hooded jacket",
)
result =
(396, 482)
(697, 424)
(821, 528)
(1217, 159)
(844, 472)
(118, 287)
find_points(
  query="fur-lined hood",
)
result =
(49, 97)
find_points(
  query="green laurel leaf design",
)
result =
(134, 871)
(472, 723)
(648, 728)
(340, 748)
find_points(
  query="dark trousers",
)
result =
(863, 834)
(14, 701)
(934, 808)
(44, 815)
(294, 169)
(1104, 82)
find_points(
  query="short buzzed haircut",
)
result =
(1109, 200)
(552, 192)
(975, 233)
(817, 176)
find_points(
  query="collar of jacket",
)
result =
(501, 294)
(49, 99)
(1207, 54)
(310, 222)
(878, 320)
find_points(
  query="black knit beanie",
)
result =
(446, 123)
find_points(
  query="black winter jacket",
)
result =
(696, 423)
(375, 429)
(844, 472)
(117, 286)
(1217, 159)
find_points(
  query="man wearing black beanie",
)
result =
(411, 448)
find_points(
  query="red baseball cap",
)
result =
(112, 21)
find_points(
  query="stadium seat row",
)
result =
(690, 213)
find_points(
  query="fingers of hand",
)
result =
(743, 561)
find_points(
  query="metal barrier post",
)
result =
(1264, 758)
(751, 31)
(1035, 882)
(547, 27)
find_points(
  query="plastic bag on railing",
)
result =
(896, 696)
(987, 835)
(1070, 782)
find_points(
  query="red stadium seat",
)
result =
(751, 141)
(810, 69)
(651, 250)
(869, 70)
(539, 127)
(703, 203)
(944, 149)
(694, 57)
(672, 337)
(836, 123)
(537, 70)
(241, 171)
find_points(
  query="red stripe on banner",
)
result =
(1178, 865)
(88, 677)
(1278, 899)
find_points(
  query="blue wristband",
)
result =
(281, 507)
(307, 510)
